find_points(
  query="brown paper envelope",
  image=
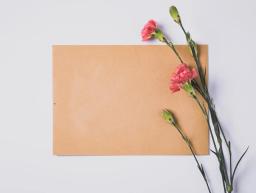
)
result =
(108, 101)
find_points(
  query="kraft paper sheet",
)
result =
(108, 99)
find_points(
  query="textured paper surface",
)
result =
(108, 101)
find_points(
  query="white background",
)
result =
(28, 29)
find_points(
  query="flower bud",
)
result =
(168, 116)
(229, 188)
(174, 14)
(192, 45)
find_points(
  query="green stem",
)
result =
(219, 154)
(208, 122)
(216, 124)
(206, 97)
(183, 29)
(170, 44)
(222, 159)
(203, 90)
(195, 56)
(200, 167)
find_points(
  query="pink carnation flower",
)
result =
(182, 75)
(148, 30)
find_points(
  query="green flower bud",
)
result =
(174, 14)
(192, 45)
(168, 116)
(229, 188)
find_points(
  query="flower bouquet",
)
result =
(193, 82)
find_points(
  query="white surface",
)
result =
(29, 28)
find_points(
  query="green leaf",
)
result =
(238, 162)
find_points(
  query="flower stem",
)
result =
(227, 185)
(189, 144)
(200, 167)
(194, 52)
(219, 153)
(206, 115)
(170, 44)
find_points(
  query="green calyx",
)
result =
(159, 35)
(189, 88)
